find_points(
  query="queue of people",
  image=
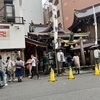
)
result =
(10, 70)
(15, 69)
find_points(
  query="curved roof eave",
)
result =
(74, 24)
(84, 13)
(48, 29)
(34, 42)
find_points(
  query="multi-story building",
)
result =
(32, 10)
(12, 40)
(71, 11)
(15, 16)
(66, 9)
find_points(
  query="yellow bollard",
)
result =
(71, 76)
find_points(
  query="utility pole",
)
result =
(55, 31)
(55, 25)
(95, 23)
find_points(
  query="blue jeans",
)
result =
(3, 75)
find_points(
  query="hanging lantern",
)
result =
(76, 45)
(65, 45)
(71, 46)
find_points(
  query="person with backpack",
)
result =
(69, 60)
(19, 72)
(9, 69)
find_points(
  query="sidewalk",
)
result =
(66, 73)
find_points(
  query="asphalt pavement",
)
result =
(85, 86)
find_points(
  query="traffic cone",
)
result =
(52, 76)
(71, 76)
(96, 70)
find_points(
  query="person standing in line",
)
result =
(19, 72)
(60, 59)
(97, 55)
(29, 66)
(45, 63)
(9, 69)
(76, 63)
(34, 69)
(2, 71)
(69, 60)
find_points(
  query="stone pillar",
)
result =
(92, 58)
(22, 54)
(82, 52)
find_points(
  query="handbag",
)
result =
(18, 67)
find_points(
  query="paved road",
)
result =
(83, 87)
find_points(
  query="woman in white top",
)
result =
(76, 63)
(9, 69)
(34, 63)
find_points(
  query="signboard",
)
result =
(4, 32)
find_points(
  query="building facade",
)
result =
(12, 31)
(32, 10)
(15, 16)
(66, 9)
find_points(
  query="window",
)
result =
(58, 13)
(56, 2)
(8, 1)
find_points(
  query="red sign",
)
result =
(2, 34)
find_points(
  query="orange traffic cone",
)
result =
(52, 76)
(71, 76)
(96, 70)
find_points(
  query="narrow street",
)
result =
(83, 87)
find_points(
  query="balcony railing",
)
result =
(16, 20)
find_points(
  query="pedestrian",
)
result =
(19, 72)
(45, 63)
(34, 69)
(10, 69)
(2, 72)
(97, 55)
(61, 60)
(69, 60)
(29, 66)
(76, 63)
